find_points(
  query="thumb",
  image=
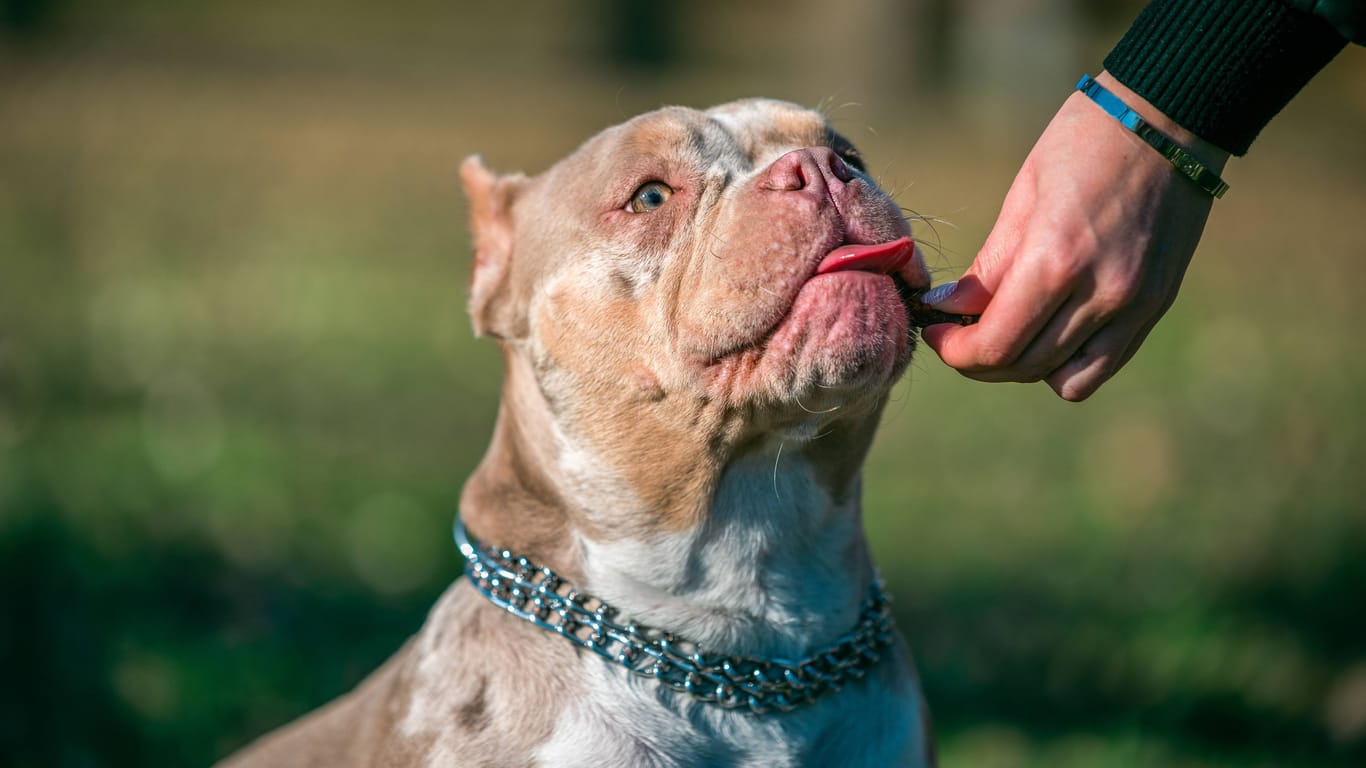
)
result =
(970, 294)
(965, 296)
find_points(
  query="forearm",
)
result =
(1221, 69)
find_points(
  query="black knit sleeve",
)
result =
(1348, 17)
(1222, 68)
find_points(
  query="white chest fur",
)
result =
(627, 721)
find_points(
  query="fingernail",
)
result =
(939, 293)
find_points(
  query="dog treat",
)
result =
(923, 315)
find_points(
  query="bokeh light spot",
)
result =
(182, 427)
(394, 543)
(146, 683)
(1345, 709)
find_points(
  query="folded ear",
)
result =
(491, 199)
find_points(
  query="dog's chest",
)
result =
(625, 720)
(540, 703)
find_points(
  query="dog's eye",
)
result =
(650, 196)
(853, 158)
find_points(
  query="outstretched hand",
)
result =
(1088, 253)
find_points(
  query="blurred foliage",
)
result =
(238, 393)
(26, 17)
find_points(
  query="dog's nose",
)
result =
(801, 168)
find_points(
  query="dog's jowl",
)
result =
(701, 315)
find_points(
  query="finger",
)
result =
(1098, 359)
(1012, 320)
(1075, 323)
(970, 294)
(966, 296)
(1075, 380)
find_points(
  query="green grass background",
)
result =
(239, 393)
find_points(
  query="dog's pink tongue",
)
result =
(882, 257)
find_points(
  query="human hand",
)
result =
(1088, 253)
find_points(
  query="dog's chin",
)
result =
(847, 332)
(844, 342)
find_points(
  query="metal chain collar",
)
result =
(536, 594)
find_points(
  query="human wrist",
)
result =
(1208, 153)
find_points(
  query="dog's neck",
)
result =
(743, 543)
(777, 568)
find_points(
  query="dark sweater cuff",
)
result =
(1222, 68)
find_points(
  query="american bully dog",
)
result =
(701, 315)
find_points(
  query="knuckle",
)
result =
(1119, 295)
(1074, 394)
(1060, 272)
(1071, 389)
(1077, 385)
(995, 356)
(1108, 368)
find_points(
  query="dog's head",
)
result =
(734, 271)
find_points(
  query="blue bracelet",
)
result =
(1184, 161)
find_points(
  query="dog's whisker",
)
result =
(831, 409)
(778, 457)
(936, 242)
(714, 240)
(936, 247)
(915, 215)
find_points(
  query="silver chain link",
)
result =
(538, 595)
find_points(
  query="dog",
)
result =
(701, 314)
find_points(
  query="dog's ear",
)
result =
(491, 199)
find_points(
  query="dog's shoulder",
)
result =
(356, 729)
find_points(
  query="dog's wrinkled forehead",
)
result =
(734, 138)
(762, 127)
